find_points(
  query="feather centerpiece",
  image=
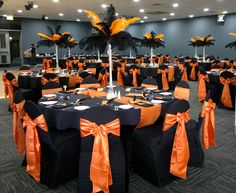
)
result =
(194, 43)
(108, 33)
(231, 44)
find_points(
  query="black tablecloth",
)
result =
(205, 65)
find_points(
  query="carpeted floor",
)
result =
(217, 176)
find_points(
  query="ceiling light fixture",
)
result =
(225, 12)
(44, 17)
(104, 6)
(4, 15)
(164, 19)
(206, 9)
(145, 17)
(78, 20)
(55, 1)
(35, 6)
(80, 10)
(141, 21)
(172, 14)
(175, 5)
(141, 10)
(136, 0)
(117, 14)
(191, 16)
(61, 14)
(19, 11)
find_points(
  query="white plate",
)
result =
(79, 89)
(125, 106)
(81, 108)
(151, 88)
(48, 102)
(166, 93)
(24, 74)
(157, 101)
(50, 95)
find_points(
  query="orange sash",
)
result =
(69, 64)
(105, 65)
(74, 80)
(46, 64)
(120, 80)
(5, 85)
(180, 152)
(181, 93)
(45, 81)
(225, 97)
(208, 131)
(202, 86)
(95, 85)
(184, 71)
(134, 73)
(123, 67)
(193, 71)
(10, 90)
(171, 73)
(149, 85)
(81, 66)
(100, 168)
(18, 131)
(165, 84)
(33, 149)
(103, 79)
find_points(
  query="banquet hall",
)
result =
(133, 96)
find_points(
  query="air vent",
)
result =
(157, 12)
(156, 4)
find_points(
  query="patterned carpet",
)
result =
(217, 176)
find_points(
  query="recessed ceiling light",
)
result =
(104, 6)
(4, 15)
(117, 14)
(35, 6)
(78, 20)
(206, 9)
(225, 12)
(46, 17)
(191, 16)
(141, 10)
(19, 11)
(175, 5)
(136, 0)
(141, 21)
(145, 17)
(80, 10)
(164, 19)
(55, 1)
(172, 14)
(61, 14)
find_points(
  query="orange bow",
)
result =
(81, 66)
(225, 97)
(120, 80)
(208, 131)
(134, 72)
(46, 64)
(18, 131)
(33, 149)
(123, 66)
(180, 152)
(100, 169)
(165, 84)
(202, 86)
(103, 79)
(104, 65)
(5, 85)
(69, 64)
(193, 71)
(45, 81)
(74, 80)
(171, 73)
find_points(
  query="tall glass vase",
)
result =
(110, 93)
(99, 59)
(130, 53)
(151, 62)
(195, 55)
(204, 53)
(57, 60)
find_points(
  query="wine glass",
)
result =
(64, 87)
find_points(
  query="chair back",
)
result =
(182, 90)
(149, 83)
(51, 88)
(89, 82)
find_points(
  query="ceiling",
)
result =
(155, 10)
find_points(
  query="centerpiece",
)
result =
(205, 42)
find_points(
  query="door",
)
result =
(4, 48)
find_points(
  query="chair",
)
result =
(154, 144)
(103, 77)
(182, 90)
(51, 88)
(89, 83)
(116, 154)
(149, 83)
(162, 77)
(25, 68)
(134, 76)
(228, 87)
(49, 77)
(59, 150)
